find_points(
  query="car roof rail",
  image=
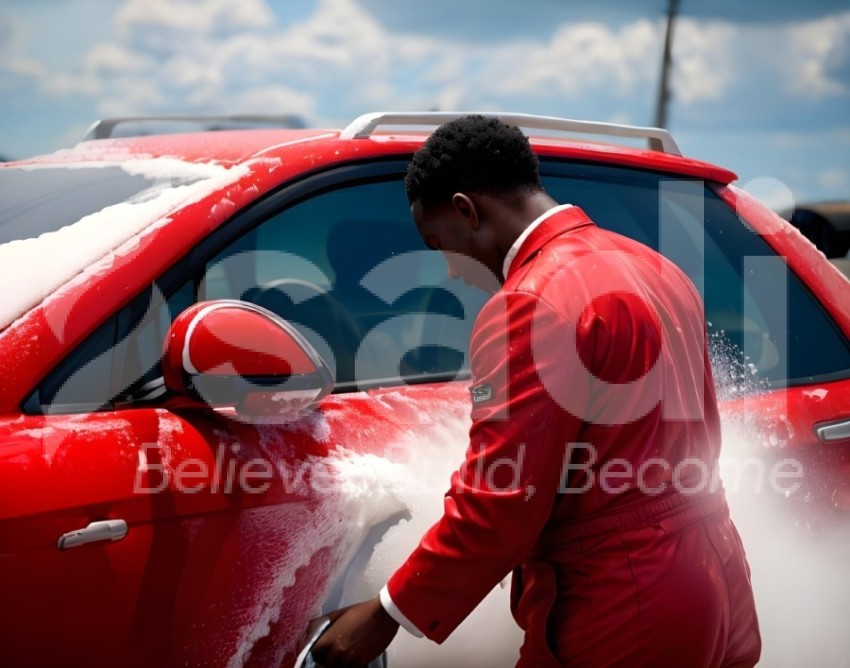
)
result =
(105, 128)
(659, 139)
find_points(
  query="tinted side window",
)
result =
(758, 336)
(347, 267)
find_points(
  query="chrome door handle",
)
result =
(96, 532)
(833, 431)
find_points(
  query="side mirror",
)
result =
(229, 353)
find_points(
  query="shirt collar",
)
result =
(514, 249)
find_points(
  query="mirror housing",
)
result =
(232, 354)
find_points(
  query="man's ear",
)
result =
(465, 208)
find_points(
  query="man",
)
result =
(596, 424)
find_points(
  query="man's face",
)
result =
(456, 231)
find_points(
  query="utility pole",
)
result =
(666, 63)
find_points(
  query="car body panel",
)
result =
(212, 541)
(779, 429)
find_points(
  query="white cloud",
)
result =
(134, 96)
(162, 19)
(577, 58)
(835, 178)
(704, 64)
(275, 99)
(821, 48)
(63, 83)
(104, 58)
(25, 67)
(451, 97)
(14, 66)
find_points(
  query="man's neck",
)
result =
(533, 206)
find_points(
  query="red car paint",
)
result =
(182, 587)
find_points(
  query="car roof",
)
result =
(229, 147)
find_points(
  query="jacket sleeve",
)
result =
(502, 495)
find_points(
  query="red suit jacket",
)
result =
(591, 469)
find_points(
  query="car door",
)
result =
(91, 567)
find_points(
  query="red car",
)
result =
(229, 370)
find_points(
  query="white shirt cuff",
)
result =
(396, 614)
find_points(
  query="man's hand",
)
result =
(357, 634)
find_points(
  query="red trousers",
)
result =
(672, 591)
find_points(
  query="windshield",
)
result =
(57, 221)
(35, 201)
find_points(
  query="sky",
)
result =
(760, 88)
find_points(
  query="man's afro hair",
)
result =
(472, 154)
